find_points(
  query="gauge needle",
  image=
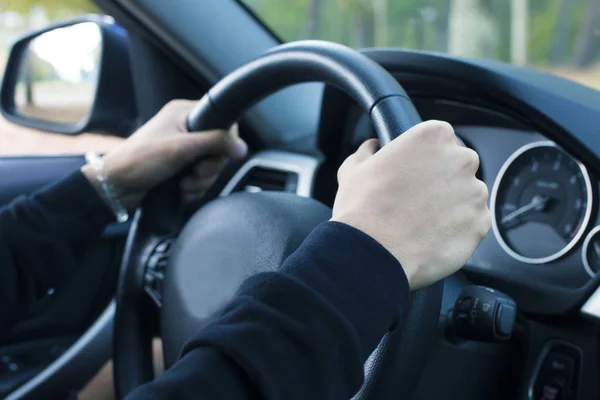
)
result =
(538, 202)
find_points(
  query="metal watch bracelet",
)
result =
(97, 163)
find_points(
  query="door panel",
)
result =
(23, 175)
(59, 319)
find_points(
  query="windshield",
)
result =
(558, 36)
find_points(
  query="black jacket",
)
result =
(301, 333)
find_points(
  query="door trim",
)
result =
(76, 365)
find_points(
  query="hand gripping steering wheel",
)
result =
(242, 234)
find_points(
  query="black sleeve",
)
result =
(41, 240)
(301, 333)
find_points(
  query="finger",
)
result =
(192, 197)
(186, 148)
(431, 131)
(470, 159)
(235, 130)
(191, 184)
(209, 167)
(366, 150)
(177, 110)
(179, 104)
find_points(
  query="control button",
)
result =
(505, 319)
(462, 316)
(163, 247)
(162, 263)
(557, 389)
(557, 375)
(465, 304)
(550, 392)
(560, 364)
(157, 261)
(154, 260)
(8, 364)
(476, 316)
(149, 278)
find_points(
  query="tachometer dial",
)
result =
(591, 252)
(541, 203)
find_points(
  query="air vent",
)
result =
(259, 179)
(275, 170)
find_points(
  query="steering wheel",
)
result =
(233, 237)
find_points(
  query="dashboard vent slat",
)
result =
(259, 179)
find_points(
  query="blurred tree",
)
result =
(287, 18)
(312, 30)
(586, 47)
(473, 29)
(544, 16)
(558, 31)
(558, 51)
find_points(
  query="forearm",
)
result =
(41, 240)
(303, 332)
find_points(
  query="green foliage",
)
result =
(420, 24)
(424, 24)
(343, 20)
(542, 28)
(286, 18)
(54, 8)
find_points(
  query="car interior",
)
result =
(519, 321)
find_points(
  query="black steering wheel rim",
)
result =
(391, 112)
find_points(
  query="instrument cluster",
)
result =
(541, 203)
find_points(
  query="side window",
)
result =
(16, 19)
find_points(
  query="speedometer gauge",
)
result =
(541, 203)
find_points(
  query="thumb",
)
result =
(366, 150)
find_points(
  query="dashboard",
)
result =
(544, 248)
(543, 205)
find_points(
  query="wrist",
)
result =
(100, 176)
(128, 199)
(90, 175)
(385, 242)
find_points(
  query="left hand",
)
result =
(161, 148)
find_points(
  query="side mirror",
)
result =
(71, 78)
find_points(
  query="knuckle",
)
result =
(470, 159)
(175, 106)
(171, 105)
(177, 103)
(210, 166)
(206, 182)
(218, 143)
(340, 173)
(442, 129)
(344, 168)
(474, 159)
(482, 191)
(486, 223)
(371, 145)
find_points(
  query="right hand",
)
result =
(161, 148)
(419, 197)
